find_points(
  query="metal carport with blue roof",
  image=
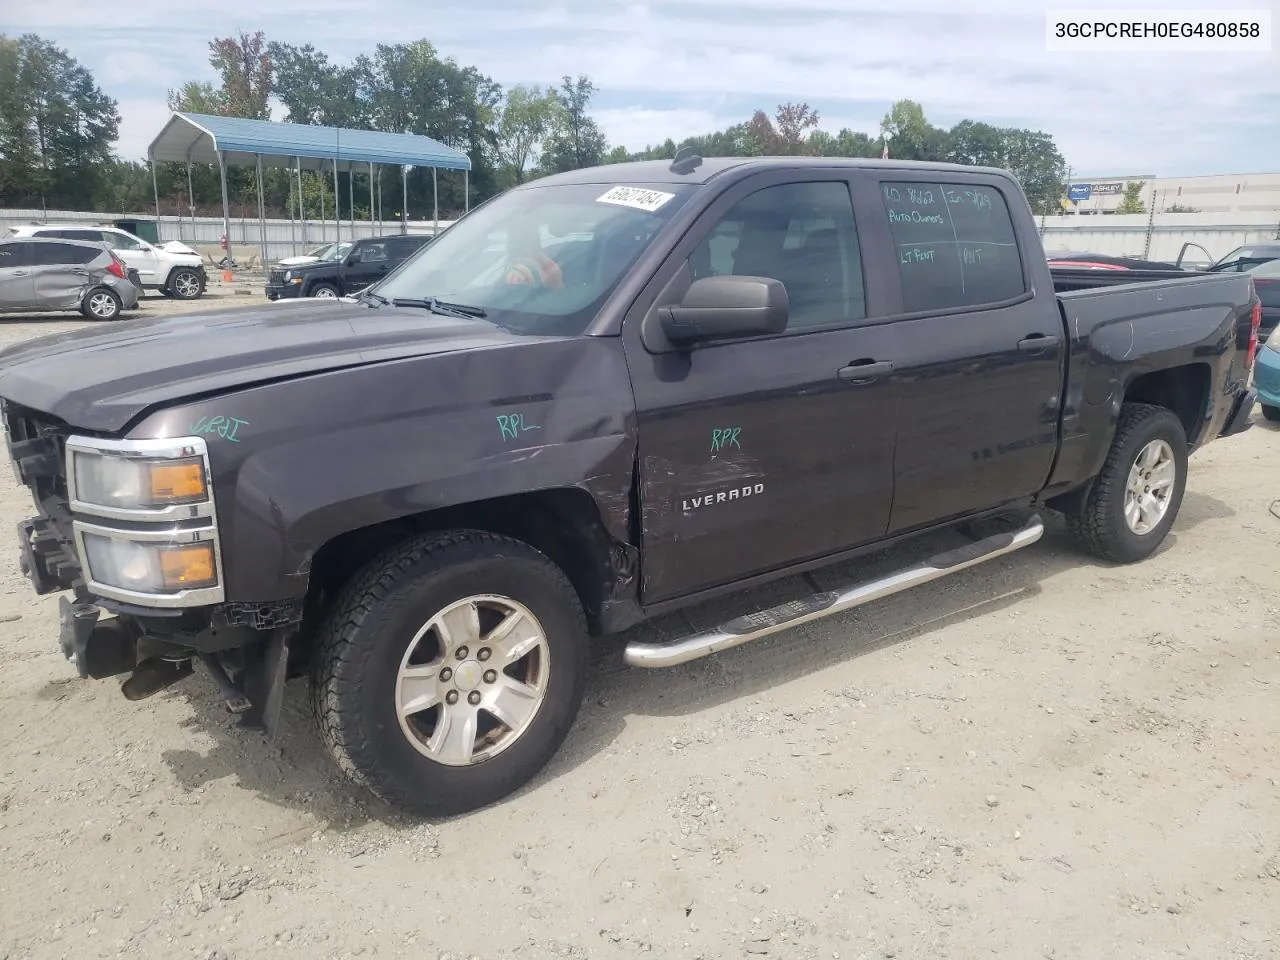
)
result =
(202, 138)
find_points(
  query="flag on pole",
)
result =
(884, 154)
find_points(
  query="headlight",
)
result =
(149, 567)
(145, 520)
(1273, 341)
(108, 481)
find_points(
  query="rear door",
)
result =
(981, 355)
(759, 453)
(61, 274)
(16, 287)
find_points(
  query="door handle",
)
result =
(1037, 342)
(865, 371)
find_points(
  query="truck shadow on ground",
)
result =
(296, 771)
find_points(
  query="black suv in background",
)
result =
(369, 260)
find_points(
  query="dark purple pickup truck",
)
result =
(598, 397)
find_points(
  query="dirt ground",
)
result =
(1043, 757)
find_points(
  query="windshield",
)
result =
(540, 259)
(1268, 270)
(335, 251)
(320, 251)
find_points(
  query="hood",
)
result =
(177, 246)
(102, 378)
(295, 261)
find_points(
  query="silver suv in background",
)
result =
(38, 275)
(172, 268)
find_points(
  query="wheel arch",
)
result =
(1182, 389)
(562, 523)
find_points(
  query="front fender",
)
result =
(300, 462)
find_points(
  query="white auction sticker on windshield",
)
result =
(636, 198)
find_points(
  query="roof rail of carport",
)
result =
(234, 141)
(199, 138)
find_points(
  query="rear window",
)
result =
(954, 243)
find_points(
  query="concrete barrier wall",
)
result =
(1126, 234)
(285, 238)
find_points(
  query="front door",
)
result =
(16, 287)
(981, 357)
(368, 264)
(760, 453)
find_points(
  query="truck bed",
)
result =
(1070, 279)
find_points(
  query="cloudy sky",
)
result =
(689, 66)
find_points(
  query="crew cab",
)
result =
(173, 268)
(682, 379)
(349, 271)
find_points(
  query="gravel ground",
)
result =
(1043, 757)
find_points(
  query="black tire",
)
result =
(1271, 413)
(95, 304)
(324, 290)
(184, 284)
(371, 627)
(1098, 522)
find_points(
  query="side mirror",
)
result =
(722, 308)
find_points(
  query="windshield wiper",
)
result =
(461, 311)
(375, 297)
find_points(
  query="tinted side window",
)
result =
(54, 254)
(15, 255)
(802, 234)
(371, 253)
(93, 236)
(402, 249)
(119, 241)
(955, 245)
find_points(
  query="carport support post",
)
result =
(466, 191)
(351, 197)
(302, 211)
(372, 231)
(191, 196)
(337, 205)
(262, 212)
(226, 206)
(435, 202)
(155, 191)
(404, 199)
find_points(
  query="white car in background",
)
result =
(329, 251)
(173, 268)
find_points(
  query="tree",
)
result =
(576, 140)
(523, 123)
(56, 126)
(197, 97)
(245, 68)
(1029, 155)
(793, 121)
(1033, 158)
(846, 143)
(1132, 200)
(314, 90)
(909, 135)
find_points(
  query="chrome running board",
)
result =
(753, 626)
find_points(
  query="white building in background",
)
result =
(1224, 193)
(1218, 213)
